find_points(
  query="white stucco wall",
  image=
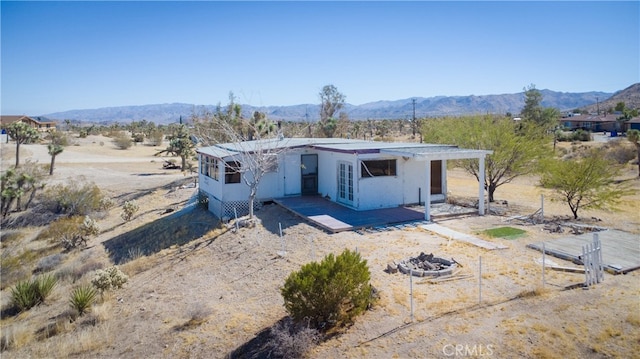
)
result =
(382, 191)
(414, 182)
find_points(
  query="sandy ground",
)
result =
(231, 280)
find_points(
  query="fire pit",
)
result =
(427, 265)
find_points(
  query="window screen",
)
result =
(377, 168)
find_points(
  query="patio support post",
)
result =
(444, 179)
(427, 196)
(481, 186)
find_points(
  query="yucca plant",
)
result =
(28, 293)
(82, 297)
(44, 286)
(24, 295)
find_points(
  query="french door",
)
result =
(345, 183)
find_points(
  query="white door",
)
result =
(345, 183)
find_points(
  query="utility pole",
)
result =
(413, 121)
(598, 105)
(306, 119)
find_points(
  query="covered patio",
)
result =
(430, 153)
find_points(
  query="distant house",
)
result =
(632, 124)
(593, 123)
(360, 175)
(42, 126)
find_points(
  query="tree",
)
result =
(516, 147)
(21, 133)
(546, 117)
(331, 101)
(53, 150)
(634, 137)
(330, 293)
(180, 144)
(17, 183)
(255, 158)
(587, 183)
(58, 141)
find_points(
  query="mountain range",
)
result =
(397, 109)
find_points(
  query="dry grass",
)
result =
(16, 336)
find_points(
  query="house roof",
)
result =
(6, 120)
(436, 152)
(412, 150)
(9, 119)
(591, 118)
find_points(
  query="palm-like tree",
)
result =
(54, 150)
(21, 133)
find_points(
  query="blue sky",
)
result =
(59, 56)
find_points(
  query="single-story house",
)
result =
(361, 175)
(593, 123)
(632, 124)
(42, 126)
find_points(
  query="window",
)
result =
(232, 172)
(204, 165)
(377, 168)
(209, 167)
(214, 171)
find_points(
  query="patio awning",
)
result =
(436, 153)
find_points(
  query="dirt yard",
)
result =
(196, 290)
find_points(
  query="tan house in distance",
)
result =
(42, 126)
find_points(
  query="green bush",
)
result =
(82, 298)
(330, 293)
(29, 293)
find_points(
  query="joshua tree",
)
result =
(21, 133)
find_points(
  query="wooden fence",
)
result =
(592, 259)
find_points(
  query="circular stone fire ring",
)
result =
(426, 265)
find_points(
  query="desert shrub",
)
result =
(83, 133)
(82, 298)
(203, 200)
(290, 341)
(75, 271)
(138, 137)
(77, 198)
(122, 140)
(573, 136)
(71, 232)
(328, 293)
(155, 137)
(16, 265)
(129, 209)
(134, 254)
(29, 293)
(15, 336)
(619, 151)
(7, 237)
(106, 203)
(109, 278)
(48, 263)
